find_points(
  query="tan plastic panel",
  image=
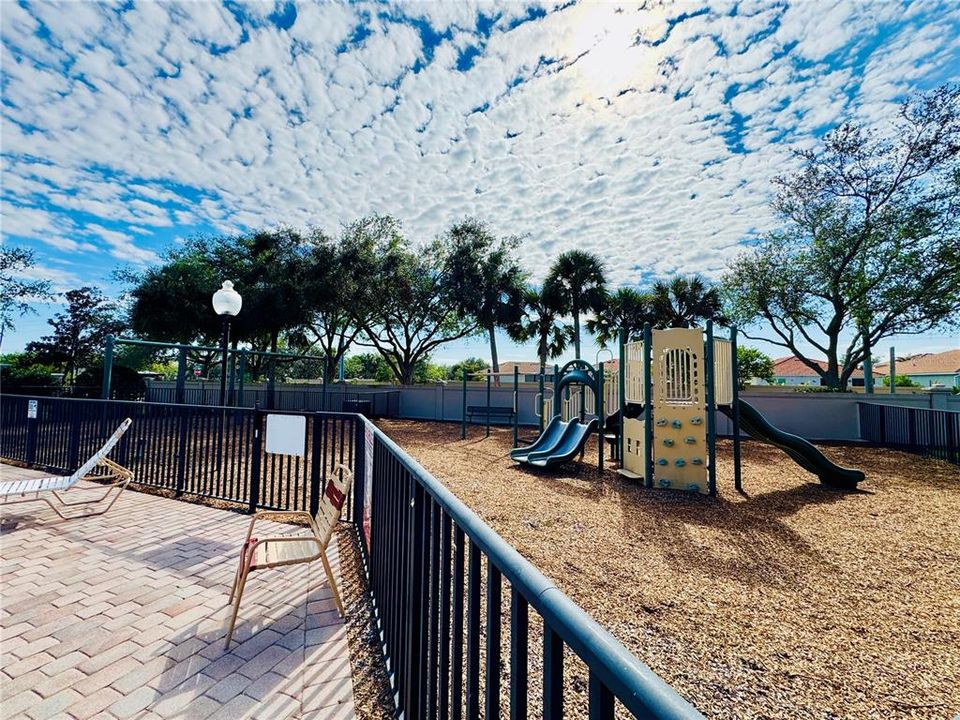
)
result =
(633, 446)
(722, 371)
(679, 398)
(634, 372)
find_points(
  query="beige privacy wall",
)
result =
(679, 410)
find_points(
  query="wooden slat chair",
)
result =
(271, 552)
(14, 492)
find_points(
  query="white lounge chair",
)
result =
(14, 492)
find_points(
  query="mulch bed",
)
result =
(788, 601)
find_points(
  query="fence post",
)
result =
(735, 410)
(463, 414)
(892, 371)
(316, 461)
(543, 404)
(516, 405)
(489, 376)
(181, 375)
(415, 579)
(107, 368)
(255, 463)
(182, 450)
(601, 416)
(647, 407)
(33, 430)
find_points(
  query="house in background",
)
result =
(792, 372)
(928, 369)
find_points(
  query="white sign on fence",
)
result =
(31, 410)
(287, 435)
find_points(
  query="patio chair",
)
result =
(271, 552)
(14, 492)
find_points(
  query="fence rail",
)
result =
(381, 403)
(189, 449)
(933, 433)
(463, 616)
(445, 588)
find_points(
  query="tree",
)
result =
(486, 281)
(407, 310)
(541, 323)
(626, 309)
(869, 245)
(270, 268)
(367, 366)
(333, 292)
(16, 292)
(578, 277)
(901, 381)
(473, 367)
(751, 363)
(79, 333)
(684, 302)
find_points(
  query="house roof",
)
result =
(943, 363)
(791, 366)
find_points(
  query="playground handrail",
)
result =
(418, 528)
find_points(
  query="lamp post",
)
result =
(226, 303)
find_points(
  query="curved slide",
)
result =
(559, 443)
(800, 450)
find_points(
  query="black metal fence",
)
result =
(466, 623)
(933, 433)
(206, 451)
(381, 403)
(447, 589)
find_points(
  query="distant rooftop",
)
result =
(942, 363)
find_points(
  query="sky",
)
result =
(646, 133)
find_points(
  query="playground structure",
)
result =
(659, 414)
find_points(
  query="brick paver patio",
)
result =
(123, 616)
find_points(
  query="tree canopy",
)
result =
(869, 244)
(18, 292)
(580, 286)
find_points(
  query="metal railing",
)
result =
(382, 403)
(205, 451)
(933, 433)
(438, 573)
(447, 589)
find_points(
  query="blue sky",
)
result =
(645, 133)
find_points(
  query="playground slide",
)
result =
(569, 445)
(551, 434)
(801, 451)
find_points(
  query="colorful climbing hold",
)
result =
(664, 483)
(677, 424)
(693, 487)
(679, 462)
(662, 461)
(697, 461)
(668, 442)
(690, 440)
(696, 421)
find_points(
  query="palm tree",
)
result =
(541, 322)
(580, 282)
(626, 309)
(683, 302)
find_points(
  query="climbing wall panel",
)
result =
(679, 410)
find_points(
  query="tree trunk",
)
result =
(576, 332)
(494, 360)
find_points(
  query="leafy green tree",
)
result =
(473, 366)
(751, 363)
(367, 366)
(541, 323)
(333, 293)
(79, 334)
(17, 293)
(172, 302)
(580, 285)
(684, 302)
(428, 372)
(22, 374)
(869, 245)
(626, 309)
(486, 281)
(407, 310)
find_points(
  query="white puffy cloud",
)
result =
(646, 134)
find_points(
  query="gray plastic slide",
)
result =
(551, 434)
(569, 445)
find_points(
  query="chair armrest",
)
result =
(261, 514)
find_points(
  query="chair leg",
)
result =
(333, 584)
(236, 605)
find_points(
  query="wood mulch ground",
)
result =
(788, 601)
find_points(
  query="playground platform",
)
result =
(123, 616)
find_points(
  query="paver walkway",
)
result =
(123, 616)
